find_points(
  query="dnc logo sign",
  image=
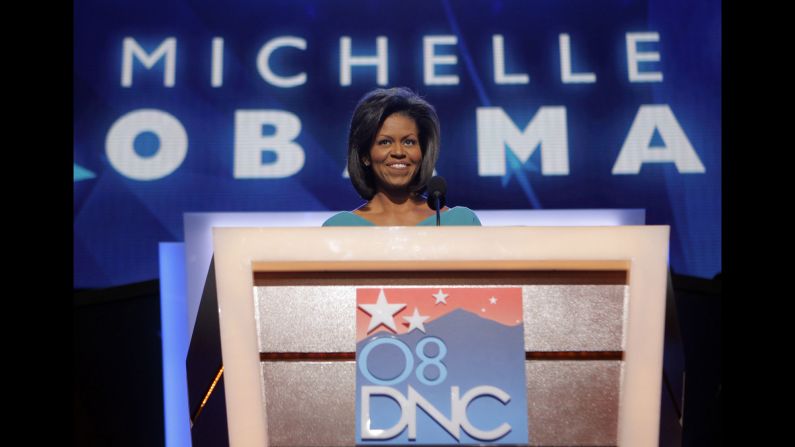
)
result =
(440, 366)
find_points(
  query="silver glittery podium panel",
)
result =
(570, 402)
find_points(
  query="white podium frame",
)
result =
(639, 250)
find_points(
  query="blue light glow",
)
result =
(81, 173)
(175, 343)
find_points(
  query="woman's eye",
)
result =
(384, 142)
(410, 142)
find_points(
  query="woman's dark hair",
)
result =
(371, 112)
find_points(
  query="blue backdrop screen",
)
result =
(199, 106)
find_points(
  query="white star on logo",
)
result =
(493, 300)
(415, 321)
(440, 297)
(382, 312)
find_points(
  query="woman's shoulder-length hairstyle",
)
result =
(371, 112)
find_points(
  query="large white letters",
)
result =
(276, 154)
(131, 48)
(120, 144)
(547, 129)
(264, 56)
(431, 60)
(565, 64)
(217, 77)
(347, 60)
(637, 53)
(634, 56)
(636, 149)
(500, 77)
(250, 144)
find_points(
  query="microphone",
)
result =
(437, 189)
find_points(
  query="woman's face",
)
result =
(395, 155)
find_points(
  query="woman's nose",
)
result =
(398, 151)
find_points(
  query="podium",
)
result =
(283, 299)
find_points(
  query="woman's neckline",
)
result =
(432, 216)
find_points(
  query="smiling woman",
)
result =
(393, 145)
(396, 155)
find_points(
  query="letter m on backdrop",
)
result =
(498, 133)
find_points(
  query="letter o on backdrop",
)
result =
(120, 144)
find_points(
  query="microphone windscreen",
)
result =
(437, 187)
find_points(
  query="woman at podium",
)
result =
(393, 145)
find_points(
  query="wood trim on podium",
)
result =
(351, 356)
(477, 265)
(447, 277)
(437, 272)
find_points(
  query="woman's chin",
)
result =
(397, 183)
(395, 188)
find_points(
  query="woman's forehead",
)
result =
(398, 123)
